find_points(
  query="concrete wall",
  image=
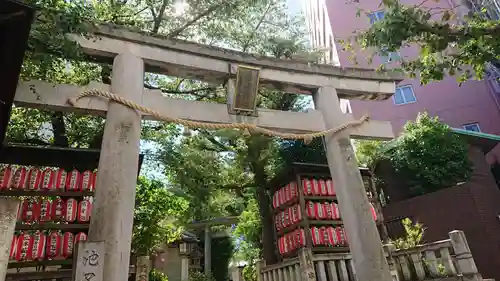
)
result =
(473, 102)
(472, 207)
(168, 261)
(236, 273)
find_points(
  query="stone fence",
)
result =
(449, 259)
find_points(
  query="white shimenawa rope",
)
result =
(248, 128)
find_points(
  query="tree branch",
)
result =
(455, 34)
(159, 19)
(245, 46)
(181, 29)
(180, 83)
(28, 141)
(188, 92)
(142, 10)
(214, 141)
(59, 130)
(153, 13)
(421, 3)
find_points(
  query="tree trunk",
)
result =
(267, 227)
(59, 130)
(256, 144)
(159, 19)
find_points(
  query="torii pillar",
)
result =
(113, 212)
(364, 241)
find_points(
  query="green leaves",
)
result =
(155, 216)
(248, 233)
(156, 275)
(429, 156)
(414, 234)
(446, 16)
(368, 151)
(445, 49)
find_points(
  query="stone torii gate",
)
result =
(134, 53)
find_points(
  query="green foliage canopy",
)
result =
(427, 155)
(368, 151)
(447, 47)
(155, 214)
(248, 234)
(221, 256)
(156, 275)
(414, 235)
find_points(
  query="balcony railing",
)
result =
(489, 8)
(493, 77)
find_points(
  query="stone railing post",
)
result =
(142, 268)
(388, 250)
(464, 260)
(258, 268)
(306, 263)
(184, 251)
(8, 217)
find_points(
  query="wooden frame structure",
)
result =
(15, 25)
(67, 158)
(294, 175)
(133, 53)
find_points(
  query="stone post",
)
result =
(142, 268)
(260, 264)
(8, 218)
(388, 250)
(208, 250)
(464, 260)
(184, 254)
(306, 263)
(113, 212)
(362, 234)
(88, 261)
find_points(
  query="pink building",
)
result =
(473, 106)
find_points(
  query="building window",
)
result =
(404, 95)
(472, 127)
(376, 16)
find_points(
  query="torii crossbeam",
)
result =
(132, 53)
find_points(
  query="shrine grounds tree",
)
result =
(221, 171)
(427, 155)
(53, 57)
(446, 46)
(248, 233)
(155, 216)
